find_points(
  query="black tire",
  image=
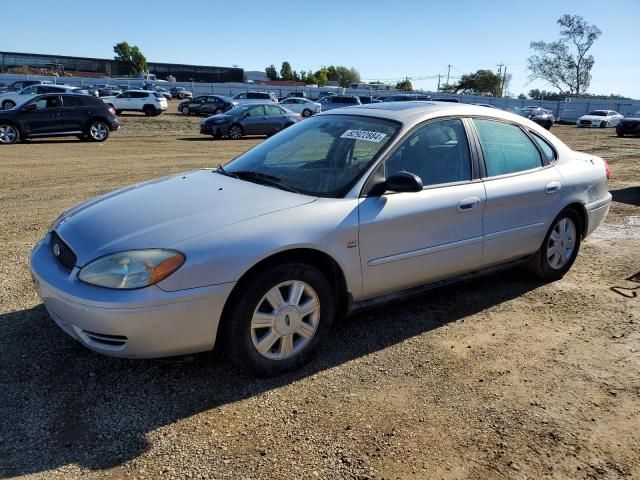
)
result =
(235, 132)
(548, 125)
(219, 112)
(118, 112)
(98, 131)
(540, 264)
(149, 110)
(185, 110)
(306, 113)
(247, 299)
(619, 132)
(603, 124)
(8, 104)
(9, 133)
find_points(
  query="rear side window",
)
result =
(273, 110)
(506, 148)
(70, 101)
(547, 150)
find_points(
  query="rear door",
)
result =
(276, 119)
(409, 239)
(523, 191)
(74, 113)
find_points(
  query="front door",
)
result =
(42, 117)
(253, 123)
(409, 239)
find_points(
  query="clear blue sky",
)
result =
(382, 39)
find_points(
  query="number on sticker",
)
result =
(375, 137)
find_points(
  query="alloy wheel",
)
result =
(285, 320)
(8, 134)
(561, 243)
(235, 132)
(98, 131)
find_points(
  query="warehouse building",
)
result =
(63, 65)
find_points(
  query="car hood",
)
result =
(162, 212)
(630, 119)
(222, 116)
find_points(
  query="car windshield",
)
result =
(598, 113)
(239, 110)
(322, 156)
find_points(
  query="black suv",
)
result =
(83, 116)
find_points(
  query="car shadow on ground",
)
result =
(62, 404)
(629, 195)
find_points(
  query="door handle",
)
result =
(468, 203)
(552, 187)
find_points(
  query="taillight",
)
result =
(274, 100)
(112, 110)
(607, 169)
(300, 116)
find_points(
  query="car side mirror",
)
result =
(398, 182)
(248, 114)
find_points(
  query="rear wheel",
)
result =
(8, 104)
(98, 131)
(280, 320)
(235, 132)
(8, 134)
(559, 249)
(149, 110)
(548, 124)
(306, 113)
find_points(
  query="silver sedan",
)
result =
(346, 209)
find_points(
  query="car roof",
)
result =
(416, 111)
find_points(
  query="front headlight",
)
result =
(132, 269)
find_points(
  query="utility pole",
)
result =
(448, 72)
(504, 79)
(438, 89)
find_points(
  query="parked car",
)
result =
(341, 211)
(246, 98)
(150, 103)
(303, 106)
(338, 101)
(91, 90)
(11, 99)
(109, 90)
(541, 116)
(20, 84)
(488, 105)
(406, 97)
(249, 120)
(180, 92)
(209, 104)
(165, 93)
(293, 95)
(57, 115)
(629, 125)
(599, 119)
(325, 93)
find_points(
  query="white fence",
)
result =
(564, 111)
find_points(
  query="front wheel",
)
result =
(278, 321)
(603, 124)
(559, 249)
(548, 124)
(149, 110)
(620, 132)
(8, 104)
(235, 132)
(8, 134)
(306, 113)
(186, 111)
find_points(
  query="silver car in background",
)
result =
(343, 210)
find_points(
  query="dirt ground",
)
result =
(500, 378)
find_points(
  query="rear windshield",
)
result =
(321, 156)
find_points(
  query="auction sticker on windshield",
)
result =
(375, 137)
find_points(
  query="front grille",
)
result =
(585, 122)
(62, 252)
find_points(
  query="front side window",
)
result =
(257, 111)
(241, 95)
(322, 156)
(506, 148)
(45, 103)
(125, 95)
(438, 153)
(28, 91)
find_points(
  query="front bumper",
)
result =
(630, 128)
(212, 129)
(591, 124)
(144, 323)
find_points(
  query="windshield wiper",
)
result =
(222, 171)
(263, 178)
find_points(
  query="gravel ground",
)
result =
(500, 378)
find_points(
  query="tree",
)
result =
(130, 60)
(286, 72)
(322, 77)
(482, 82)
(271, 72)
(565, 63)
(522, 96)
(405, 85)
